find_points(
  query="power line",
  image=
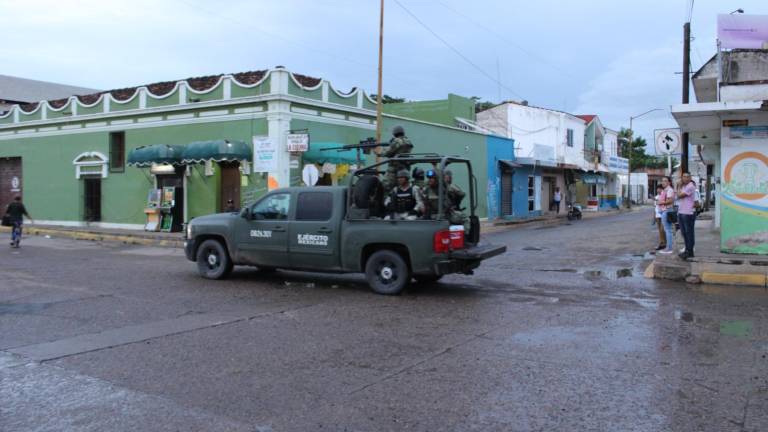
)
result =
(455, 50)
(507, 40)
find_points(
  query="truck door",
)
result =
(263, 239)
(314, 237)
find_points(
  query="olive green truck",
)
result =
(342, 229)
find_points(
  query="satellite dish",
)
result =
(310, 174)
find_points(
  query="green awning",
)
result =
(319, 153)
(217, 151)
(145, 156)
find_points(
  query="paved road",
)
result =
(561, 333)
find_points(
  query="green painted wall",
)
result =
(443, 111)
(98, 108)
(261, 89)
(171, 98)
(299, 91)
(117, 106)
(37, 115)
(335, 98)
(51, 191)
(210, 95)
(589, 136)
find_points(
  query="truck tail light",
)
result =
(457, 236)
(448, 240)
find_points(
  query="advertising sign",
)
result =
(667, 141)
(744, 197)
(298, 143)
(750, 132)
(618, 163)
(264, 154)
(742, 31)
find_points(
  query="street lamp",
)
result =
(629, 150)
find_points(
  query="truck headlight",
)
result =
(189, 231)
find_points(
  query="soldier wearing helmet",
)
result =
(404, 200)
(399, 145)
(455, 194)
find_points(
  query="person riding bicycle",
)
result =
(15, 214)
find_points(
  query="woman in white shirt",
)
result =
(657, 219)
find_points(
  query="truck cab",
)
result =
(344, 229)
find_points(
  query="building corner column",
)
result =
(279, 125)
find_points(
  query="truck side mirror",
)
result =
(245, 213)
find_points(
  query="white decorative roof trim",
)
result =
(257, 83)
(63, 107)
(345, 95)
(98, 101)
(295, 81)
(167, 95)
(38, 108)
(214, 87)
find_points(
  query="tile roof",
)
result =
(199, 84)
(586, 117)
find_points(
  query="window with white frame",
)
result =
(569, 137)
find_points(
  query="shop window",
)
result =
(273, 207)
(117, 152)
(314, 206)
(569, 137)
(593, 190)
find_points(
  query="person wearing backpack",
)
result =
(14, 217)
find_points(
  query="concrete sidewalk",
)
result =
(710, 264)
(125, 236)
(549, 219)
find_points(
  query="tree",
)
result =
(389, 99)
(482, 106)
(640, 159)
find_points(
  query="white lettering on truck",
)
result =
(261, 234)
(312, 239)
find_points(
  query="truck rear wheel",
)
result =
(387, 272)
(213, 261)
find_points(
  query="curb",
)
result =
(92, 236)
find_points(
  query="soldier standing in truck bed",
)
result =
(399, 145)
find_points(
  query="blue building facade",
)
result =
(511, 187)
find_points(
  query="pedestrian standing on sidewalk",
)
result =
(666, 203)
(686, 211)
(15, 213)
(657, 217)
(556, 200)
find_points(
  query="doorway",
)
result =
(506, 193)
(230, 184)
(10, 180)
(92, 199)
(175, 181)
(547, 191)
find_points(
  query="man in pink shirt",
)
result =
(686, 213)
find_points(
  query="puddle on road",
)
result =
(22, 308)
(736, 328)
(532, 248)
(596, 274)
(684, 316)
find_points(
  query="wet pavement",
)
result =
(560, 333)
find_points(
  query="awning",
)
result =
(509, 163)
(217, 151)
(319, 153)
(593, 179)
(145, 156)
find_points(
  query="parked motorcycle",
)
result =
(574, 212)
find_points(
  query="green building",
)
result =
(69, 158)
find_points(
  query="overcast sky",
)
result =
(607, 57)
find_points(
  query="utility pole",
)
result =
(686, 89)
(379, 95)
(629, 164)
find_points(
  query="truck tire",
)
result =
(213, 261)
(367, 192)
(387, 272)
(427, 279)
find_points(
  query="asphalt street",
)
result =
(562, 333)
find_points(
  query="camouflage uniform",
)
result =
(454, 195)
(398, 145)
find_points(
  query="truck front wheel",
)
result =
(387, 272)
(213, 262)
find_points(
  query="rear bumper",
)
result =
(466, 260)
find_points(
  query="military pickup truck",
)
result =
(344, 229)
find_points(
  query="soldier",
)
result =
(455, 194)
(404, 200)
(430, 196)
(398, 145)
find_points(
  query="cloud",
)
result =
(634, 82)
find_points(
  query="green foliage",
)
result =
(640, 159)
(482, 105)
(389, 99)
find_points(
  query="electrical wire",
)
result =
(456, 51)
(534, 56)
